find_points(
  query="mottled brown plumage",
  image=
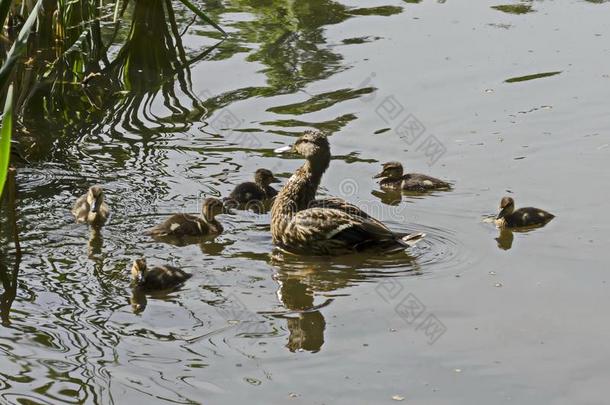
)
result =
(393, 178)
(179, 225)
(300, 224)
(158, 278)
(508, 217)
(90, 208)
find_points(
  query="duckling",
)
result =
(301, 225)
(179, 225)
(392, 178)
(257, 191)
(508, 217)
(90, 208)
(157, 278)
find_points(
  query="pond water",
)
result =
(505, 100)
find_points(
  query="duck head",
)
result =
(507, 206)
(95, 198)
(264, 177)
(312, 145)
(391, 170)
(138, 270)
(212, 207)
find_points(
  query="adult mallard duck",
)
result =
(158, 278)
(255, 192)
(302, 225)
(393, 178)
(90, 208)
(179, 225)
(508, 217)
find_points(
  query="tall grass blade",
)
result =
(5, 137)
(20, 44)
(201, 15)
(5, 6)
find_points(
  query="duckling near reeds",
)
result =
(179, 225)
(508, 217)
(255, 192)
(90, 208)
(302, 225)
(393, 178)
(158, 278)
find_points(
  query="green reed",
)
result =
(64, 72)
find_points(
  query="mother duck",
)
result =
(301, 224)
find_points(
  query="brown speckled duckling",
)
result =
(157, 278)
(508, 217)
(257, 191)
(90, 208)
(301, 225)
(393, 178)
(179, 225)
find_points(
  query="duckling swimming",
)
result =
(90, 208)
(508, 217)
(179, 225)
(157, 278)
(392, 178)
(300, 224)
(254, 192)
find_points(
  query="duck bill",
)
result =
(379, 175)
(502, 213)
(284, 149)
(275, 180)
(95, 205)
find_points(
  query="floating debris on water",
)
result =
(514, 8)
(531, 77)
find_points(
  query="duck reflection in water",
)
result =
(95, 244)
(505, 239)
(303, 279)
(388, 197)
(306, 326)
(138, 300)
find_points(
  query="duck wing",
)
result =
(165, 277)
(415, 181)
(324, 231)
(341, 205)
(246, 192)
(179, 225)
(80, 209)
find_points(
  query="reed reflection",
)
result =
(9, 233)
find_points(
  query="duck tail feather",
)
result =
(412, 239)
